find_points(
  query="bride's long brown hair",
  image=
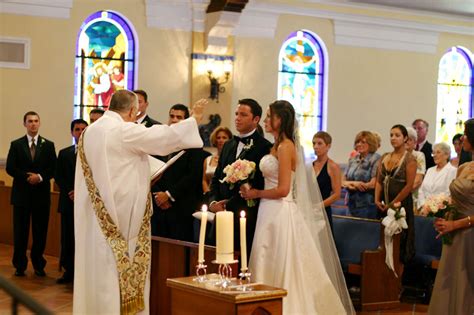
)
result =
(285, 111)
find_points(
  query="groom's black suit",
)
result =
(220, 191)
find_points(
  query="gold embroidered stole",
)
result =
(132, 274)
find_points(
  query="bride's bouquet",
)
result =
(440, 206)
(239, 172)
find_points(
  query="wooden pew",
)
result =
(173, 259)
(53, 242)
(361, 248)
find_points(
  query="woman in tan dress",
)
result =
(395, 178)
(454, 285)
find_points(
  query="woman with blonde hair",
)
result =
(218, 137)
(359, 177)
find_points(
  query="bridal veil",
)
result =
(309, 201)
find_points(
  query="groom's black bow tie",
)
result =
(244, 140)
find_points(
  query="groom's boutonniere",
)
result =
(248, 146)
(144, 123)
(42, 141)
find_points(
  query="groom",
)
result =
(249, 145)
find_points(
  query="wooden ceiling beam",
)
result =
(226, 5)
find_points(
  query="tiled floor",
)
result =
(58, 298)
(404, 309)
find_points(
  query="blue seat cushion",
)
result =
(427, 247)
(340, 211)
(353, 236)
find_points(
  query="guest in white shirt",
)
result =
(439, 177)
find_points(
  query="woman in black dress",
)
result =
(327, 172)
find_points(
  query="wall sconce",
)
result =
(218, 73)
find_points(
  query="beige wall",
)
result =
(47, 87)
(368, 88)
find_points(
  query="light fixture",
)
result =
(218, 73)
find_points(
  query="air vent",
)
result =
(14, 52)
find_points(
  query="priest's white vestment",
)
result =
(117, 153)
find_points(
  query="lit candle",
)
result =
(243, 240)
(202, 234)
(225, 237)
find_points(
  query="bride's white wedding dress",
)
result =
(285, 255)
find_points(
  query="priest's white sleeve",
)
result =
(162, 139)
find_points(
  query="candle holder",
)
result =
(201, 272)
(225, 273)
(244, 279)
(244, 276)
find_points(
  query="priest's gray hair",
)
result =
(123, 100)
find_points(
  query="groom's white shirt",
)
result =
(240, 145)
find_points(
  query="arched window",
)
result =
(455, 87)
(105, 61)
(302, 81)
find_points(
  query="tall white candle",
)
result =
(202, 234)
(243, 240)
(225, 237)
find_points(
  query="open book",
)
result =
(157, 167)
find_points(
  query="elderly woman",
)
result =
(359, 177)
(410, 146)
(218, 137)
(438, 177)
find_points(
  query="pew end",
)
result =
(361, 246)
(381, 289)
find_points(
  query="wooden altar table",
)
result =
(190, 297)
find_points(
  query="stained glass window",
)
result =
(105, 61)
(301, 82)
(455, 86)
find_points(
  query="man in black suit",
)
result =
(178, 192)
(421, 126)
(142, 117)
(64, 177)
(252, 146)
(95, 114)
(31, 161)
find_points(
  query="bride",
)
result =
(293, 246)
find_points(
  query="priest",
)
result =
(113, 205)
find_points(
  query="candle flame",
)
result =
(242, 214)
(204, 208)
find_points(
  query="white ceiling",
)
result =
(464, 8)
